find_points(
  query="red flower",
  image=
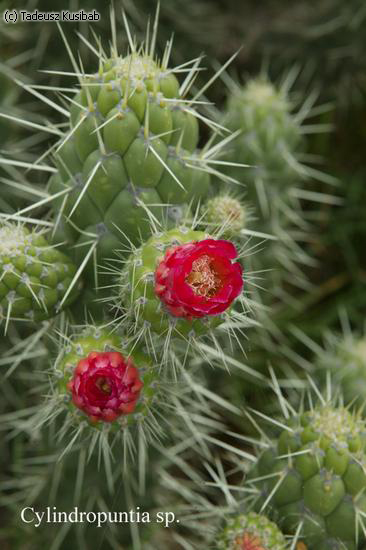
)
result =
(198, 278)
(105, 386)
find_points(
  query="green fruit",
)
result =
(320, 480)
(252, 531)
(131, 156)
(35, 276)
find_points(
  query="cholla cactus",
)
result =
(101, 390)
(270, 139)
(179, 284)
(270, 134)
(341, 359)
(132, 148)
(133, 200)
(251, 532)
(345, 360)
(35, 276)
(312, 478)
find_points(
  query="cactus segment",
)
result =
(35, 276)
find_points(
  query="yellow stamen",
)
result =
(203, 279)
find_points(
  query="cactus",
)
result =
(270, 140)
(179, 284)
(101, 389)
(346, 363)
(270, 134)
(106, 385)
(129, 164)
(130, 160)
(143, 279)
(312, 479)
(251, 532)
(341, 361)
(35, 275)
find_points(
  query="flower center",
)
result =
(203, 279)
(248, 542)
(103, 384)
